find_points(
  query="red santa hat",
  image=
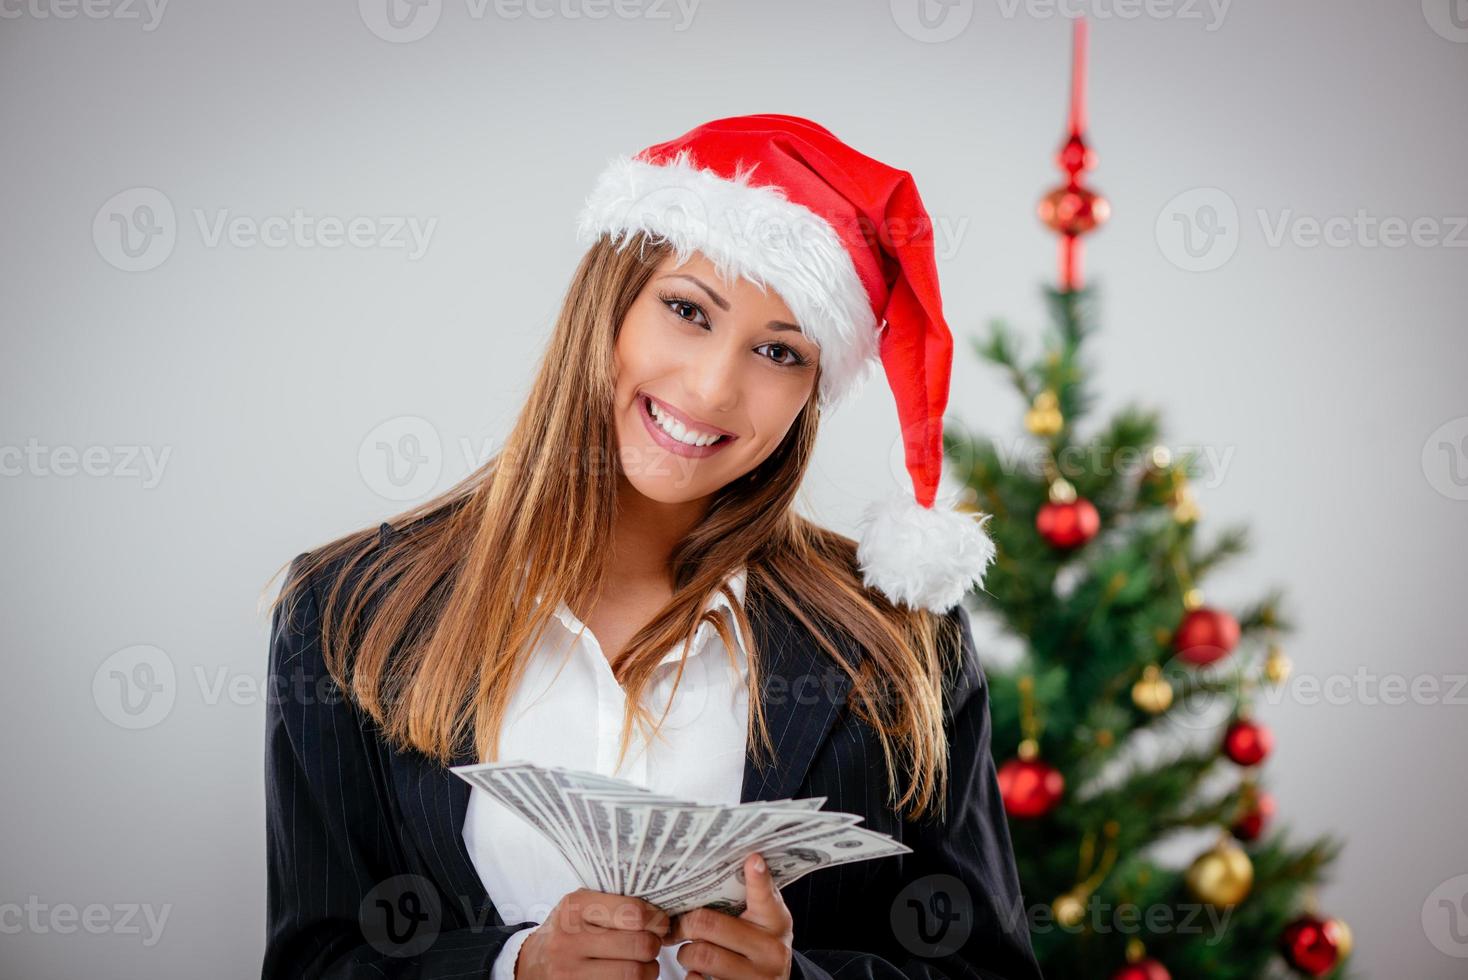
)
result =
(847, 244)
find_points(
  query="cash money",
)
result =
(624, 839)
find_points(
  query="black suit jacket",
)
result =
(368, 875)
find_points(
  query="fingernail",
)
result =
(759, 865)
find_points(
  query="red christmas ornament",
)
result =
(1068, 525)
(1311, 945)
(1072, 209)
(1030, 788)
(1205, 635)
(1254, 819)
(1148, 969)
(1247, 742)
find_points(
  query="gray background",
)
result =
(1328, 379)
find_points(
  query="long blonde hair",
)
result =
(437, 662)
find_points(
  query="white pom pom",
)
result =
(923, 557)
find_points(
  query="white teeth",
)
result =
(675, 428)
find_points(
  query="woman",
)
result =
(634, 546)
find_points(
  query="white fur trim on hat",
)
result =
(923, 557)
(752, 232)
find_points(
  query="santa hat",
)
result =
(846, 242)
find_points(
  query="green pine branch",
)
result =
(1092, 620)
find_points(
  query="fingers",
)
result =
(763, 903)
(714, 960)
(619, 912)
(705, 923)
(597, 936)
(599, 943)
(723, 946)
(613, 970)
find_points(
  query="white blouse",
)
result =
(567, 711)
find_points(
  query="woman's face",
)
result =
(714, 358)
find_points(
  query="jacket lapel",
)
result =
(434, 802)
(802, 694)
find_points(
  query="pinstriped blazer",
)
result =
(368, 876)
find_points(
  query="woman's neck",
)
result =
(646, 531)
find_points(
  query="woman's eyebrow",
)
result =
(723, 304)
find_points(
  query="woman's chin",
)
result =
(667, 491)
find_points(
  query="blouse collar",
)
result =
(717, 602)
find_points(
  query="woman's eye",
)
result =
(690, 312)
(795, 357)
(679, 306)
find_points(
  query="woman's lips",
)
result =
(688, 421)
(668, 442)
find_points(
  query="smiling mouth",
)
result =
(655, 416)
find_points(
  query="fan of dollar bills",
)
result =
(623, 839)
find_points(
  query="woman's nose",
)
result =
(714, 378)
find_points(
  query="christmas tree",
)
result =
(1098, 574)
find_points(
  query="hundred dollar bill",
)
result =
(624, 839)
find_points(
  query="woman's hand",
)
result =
(593, 934)
(755, 946)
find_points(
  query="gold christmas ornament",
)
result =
(1221, 875)
(1062, 491)
(1276, 666)
(1160, 458)
(1044, 418)
(1343, 938)
(1069, 908)
(1152, 693)
(1185, 510)
(1180, 495)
